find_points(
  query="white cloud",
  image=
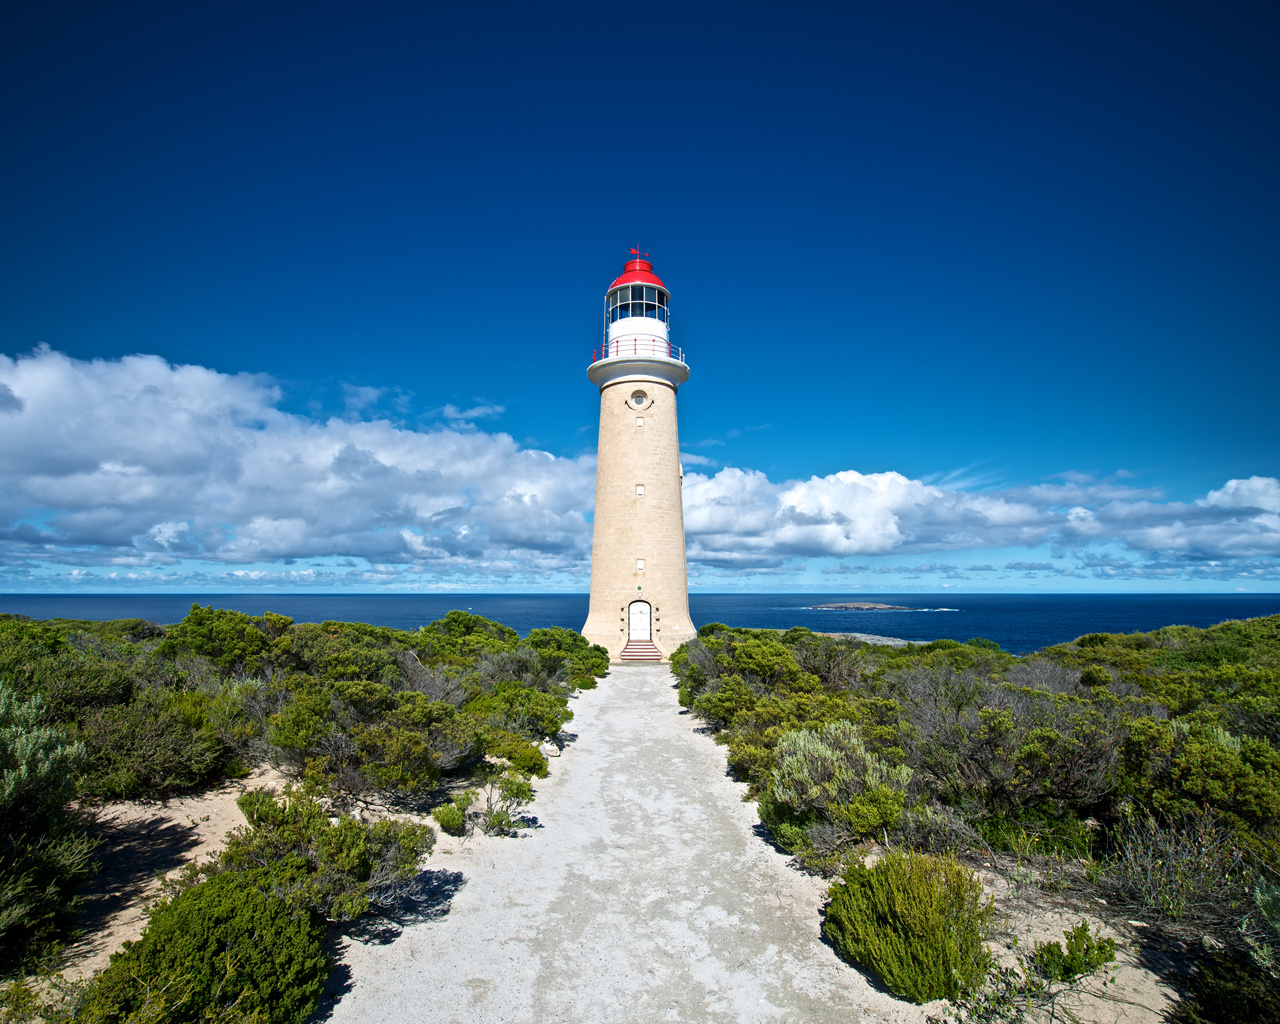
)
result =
(136, 461)
(739, 515)
(138, 467)
(478, 412)
(1260, 492)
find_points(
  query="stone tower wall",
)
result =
(630, 526)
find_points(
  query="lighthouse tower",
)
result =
(639, 585)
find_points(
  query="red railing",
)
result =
(651, 347)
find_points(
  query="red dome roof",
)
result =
(637, 272)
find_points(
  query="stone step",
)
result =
(640, 650)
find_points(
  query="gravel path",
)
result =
(645, 895)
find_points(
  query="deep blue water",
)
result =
(1018, 622)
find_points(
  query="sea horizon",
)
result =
(1019, 622)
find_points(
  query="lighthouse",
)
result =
(639, 606)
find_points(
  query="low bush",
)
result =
(44, 852)
(518, 752)
(1038, 829)
(222, 944)
(1182, 766)
(919, 922)
(826, 791)
(452, 817)
(1260, 928)
(830, 771)
(1085, 953)
(504, 793)
(162, 742)
(583, 661)
(521, 709)
(1192, 872)
(335, 869)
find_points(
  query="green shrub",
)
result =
(983, 643)
(363, 735)
(1084, 954)
(583, 659)
(1261, 927)
(452, 817)
(461, 634)
(940, 645)
(916, 921)
(829, 773)
(504, 792)
(219, 944)
(1193, 871)
(161, 742)
(1182, 767)
(521, 709)
(518, 752)
(722, 703)
(335, 869)
(1042, 828)
(44, 854)
(237, 643)
(38, 764)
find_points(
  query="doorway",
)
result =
(640, 618)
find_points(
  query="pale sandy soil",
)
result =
(1128, 992)
(141, 841)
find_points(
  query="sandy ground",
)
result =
(644, 894)
(140, 842)
(1127, 992)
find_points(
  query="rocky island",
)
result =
(863, 606)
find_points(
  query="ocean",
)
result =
(1017, 622)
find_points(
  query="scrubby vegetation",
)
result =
(131, 710)
(917, 921)
(44, 853)
(223, 945)
(1140, 769)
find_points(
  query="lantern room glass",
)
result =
(637, 300)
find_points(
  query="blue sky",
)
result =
(301, 295)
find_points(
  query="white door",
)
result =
(639, 620)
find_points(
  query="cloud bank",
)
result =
(138, 469)
(135, 463)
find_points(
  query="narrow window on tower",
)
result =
(639, 421)
(639, 565)
(639, 490)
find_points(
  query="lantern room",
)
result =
(637, 296)
(636, 300)
(637, 316)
